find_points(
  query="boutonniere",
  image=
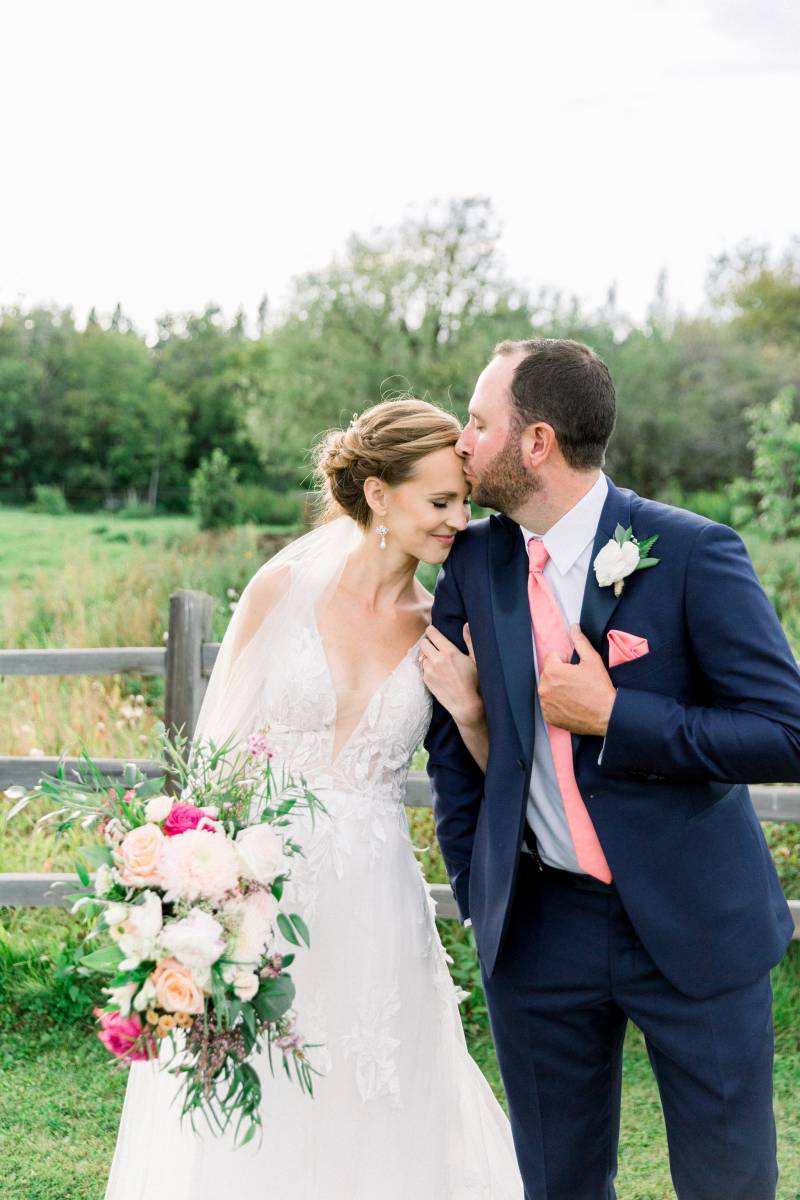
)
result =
(621, 556)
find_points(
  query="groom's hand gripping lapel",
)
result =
(577, 696)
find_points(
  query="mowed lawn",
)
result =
(94, 580)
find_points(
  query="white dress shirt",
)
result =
(569, 543)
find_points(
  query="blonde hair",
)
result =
(386, 441)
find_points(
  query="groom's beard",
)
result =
(505, 484)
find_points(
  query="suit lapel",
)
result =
(512, 622)
(598, 602)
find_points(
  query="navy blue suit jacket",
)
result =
(715, 704)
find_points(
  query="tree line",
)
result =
(417, 307)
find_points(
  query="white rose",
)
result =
(115, 914)
(196, 940)
(158, 808)
(261, 853)
(141, 930)
(253, 921)
(615, 562)
(121, 997)
(245, 986)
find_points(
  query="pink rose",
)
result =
(140, 851)
(118, 1033)
(184, 816)
(176, 990)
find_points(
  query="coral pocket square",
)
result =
(622, 647)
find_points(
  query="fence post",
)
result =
(190, 617)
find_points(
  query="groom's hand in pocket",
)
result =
(577, 696)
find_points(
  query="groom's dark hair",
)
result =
(567, 385)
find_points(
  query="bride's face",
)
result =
(424, 514)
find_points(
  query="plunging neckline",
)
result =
(386, 680)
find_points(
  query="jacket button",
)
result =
(521, 763)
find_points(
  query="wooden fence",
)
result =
(186, 661)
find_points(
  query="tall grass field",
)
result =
(94, 580)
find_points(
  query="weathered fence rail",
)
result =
(187, 661)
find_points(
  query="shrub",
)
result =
(49, 498)
(136, 511)
(263, 506)
(717, 506)
(214, 492)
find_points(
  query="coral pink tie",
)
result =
(551, 636)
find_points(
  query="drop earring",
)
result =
(382, 532)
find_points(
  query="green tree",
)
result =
(35, 345)
(772, 494)
(205, 361)
(213, 490)
(762, 293)
(417, 307)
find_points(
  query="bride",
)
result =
(323, 651)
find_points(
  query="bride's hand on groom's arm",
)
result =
(577, 696)
(452, 677)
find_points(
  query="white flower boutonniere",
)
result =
(621, 556)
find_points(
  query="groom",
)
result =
(609, 857)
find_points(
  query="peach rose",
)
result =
(140, 852)
(176, 990)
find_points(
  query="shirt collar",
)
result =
(568, 538)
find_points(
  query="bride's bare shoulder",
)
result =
(268, 584)
(260, 596)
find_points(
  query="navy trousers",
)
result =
(570, 973)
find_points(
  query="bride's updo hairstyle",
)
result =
(386, 441)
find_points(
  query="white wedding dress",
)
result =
(401, 1112)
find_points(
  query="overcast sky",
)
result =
(168, 154)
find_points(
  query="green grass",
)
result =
(32, 542)
(60, 1102)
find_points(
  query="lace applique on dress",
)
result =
(372, 1045)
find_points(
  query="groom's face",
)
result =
(490, 446)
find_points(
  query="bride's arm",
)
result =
(452, 677)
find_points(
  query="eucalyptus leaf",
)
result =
(273, 998)
(287, 929)
(97, 855)
(301, 927)
(18, 807)
(105, 961)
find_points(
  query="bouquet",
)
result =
(186, 905)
